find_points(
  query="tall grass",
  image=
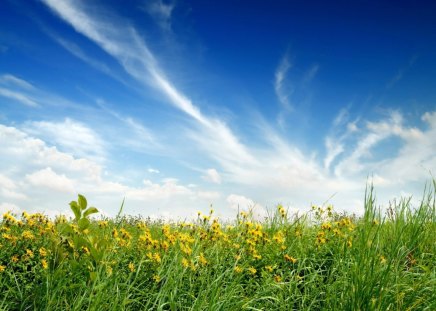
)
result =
(319, 261)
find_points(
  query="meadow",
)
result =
(321, 260)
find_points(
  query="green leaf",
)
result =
(89, 211)
(84, 223)
(82, 202)
(76, 210)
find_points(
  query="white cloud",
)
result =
(49, 179)
(125, 45)
(212, 176)
(280, 77)
(240, 202)
(161, 12)
(19, 97)
(153, 171)
(71, 136)
(15, 81)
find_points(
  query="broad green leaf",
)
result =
(76, 210)
(82, 202)
(89, 211)
(84, 223)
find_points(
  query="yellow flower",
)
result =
(43, 252)
(277, 278)
(29, 253)
(269, 268)
(44, 263)
(85, 250)
(27, 235)
(131, 267)
(238, 269)
(349, 243)
(15, 258)
(383, 259)
(114, 233)
(2, 268)
(185, 263)
(202, 259)
(326, 226)
(252, 270)
(156, 278)
(102, 224)
(290, 258)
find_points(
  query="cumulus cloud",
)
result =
(49, 179)
(70, 136)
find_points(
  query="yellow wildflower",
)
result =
(131, 267)
(383, 259)
(185, 263)
(2, 268)
(156, 278)
(238, 269)
(252, 270)
(27, 235)
(43, 252)
(85, 250)
(202, 259)
(290, 258)
(269, 268)
(277, 278)
(15, 259)
(44, 263)
(29, 253)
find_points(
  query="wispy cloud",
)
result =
(19, 97)
(401, 72)
(13, 80)
(161, 12)
(311, 73)
(130, 50)
(279, 83)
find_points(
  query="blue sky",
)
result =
(177, 105)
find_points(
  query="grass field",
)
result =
(323, 260)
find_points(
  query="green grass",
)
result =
(319, 261)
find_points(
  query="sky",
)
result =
(175, 106)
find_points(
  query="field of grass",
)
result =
(323, 260)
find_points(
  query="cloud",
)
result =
(125, 45)
(70, 136)
(19, 97)
(212, 176)
(161, 12)
(280, 77)
(49, 179)
(401, 72)
(311, 73)
(239, 201)
(153, 171)
(13, 80)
